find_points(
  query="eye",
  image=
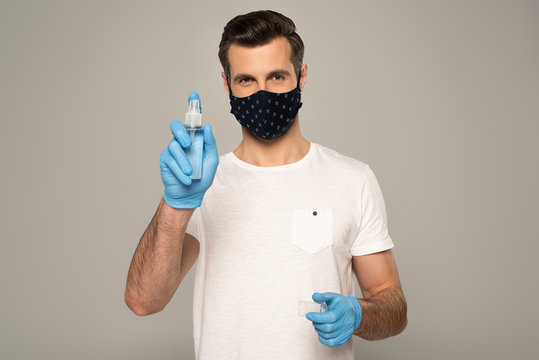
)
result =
(244, 80)
(278, 77)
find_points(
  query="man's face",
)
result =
(266, 67)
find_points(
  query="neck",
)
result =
(285, 149)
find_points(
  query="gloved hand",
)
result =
(335, 326)
(182, 192)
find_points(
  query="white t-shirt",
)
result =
(272, 236)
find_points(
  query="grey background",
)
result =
(439, 97)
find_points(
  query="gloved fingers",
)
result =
(178, 173)
(179, 155)
(324, 341)
(326, 332)
(342, 338)
(328, 342)
(209, 142)
(180, 134)
(323, 318)
(338, 341)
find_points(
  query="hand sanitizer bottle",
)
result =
(310, 306)
(193, 125)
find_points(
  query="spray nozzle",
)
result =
(193, 117)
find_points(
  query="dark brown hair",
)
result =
(260, 28)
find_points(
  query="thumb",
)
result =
(209, 142)
(324, 297)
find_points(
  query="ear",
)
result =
(303, 76)
(225, 83)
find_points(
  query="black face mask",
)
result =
(266, 114)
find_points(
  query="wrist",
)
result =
(189, 202)
(357, 309)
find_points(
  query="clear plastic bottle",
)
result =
(193, 125)
(310, 306)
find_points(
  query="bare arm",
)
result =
(163, 257)
(383, 306)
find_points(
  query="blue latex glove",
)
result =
(335, 326)
(182, 192)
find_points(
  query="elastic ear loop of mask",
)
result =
(230, 88)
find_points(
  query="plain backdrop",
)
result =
(440, 98)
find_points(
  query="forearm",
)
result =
(154, 272)
(384, 314)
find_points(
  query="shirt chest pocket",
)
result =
(312, 228)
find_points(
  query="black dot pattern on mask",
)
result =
(269, 114)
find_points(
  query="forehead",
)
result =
(260, 59)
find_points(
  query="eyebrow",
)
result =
(273, 73)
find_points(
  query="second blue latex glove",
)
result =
(335, 326)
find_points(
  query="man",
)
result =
(284, 221)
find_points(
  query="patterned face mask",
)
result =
(266, 114)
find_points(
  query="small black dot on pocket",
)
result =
(315, 213)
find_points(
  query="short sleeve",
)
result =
(192, 224)
(372, 233)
